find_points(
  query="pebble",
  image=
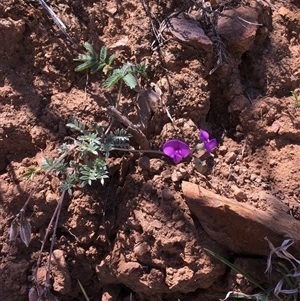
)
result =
(272, 162)
(144, 163)
(141, 249)
(167, 194)
(176, 176)
(230, 158)
(239, 194)
(223, 150)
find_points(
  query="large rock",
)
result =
(237, 34)
(239, 227)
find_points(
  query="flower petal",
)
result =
(203, 135)
(177, 158)
(170, 147)
(210, 145)
(176, 149)
(184, 148)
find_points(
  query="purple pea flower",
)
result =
(176, 149)
(209, 145)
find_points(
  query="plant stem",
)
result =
(139, 150)
(56, 213)
(59, 205)
(138, 135)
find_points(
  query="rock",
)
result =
(189, 31)
(238, 35)
(111, 292)
(240, 227)
(239, 194)
(230, 157)
(144, 163)
(223, 150)
(167, 194)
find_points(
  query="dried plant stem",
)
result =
(55, 214)
(116, 107)
(59, 205)
(56, 20)
(131, 128)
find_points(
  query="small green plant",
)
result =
(295, 95)
(83, 159)
(80, 162)
(286, 289)
(128, 73)
(91, 60)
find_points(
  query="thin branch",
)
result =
(138, 135)
(56, 212)
(59, 205)
(56, 20)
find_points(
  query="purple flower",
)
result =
(176, 149)
(209, 145)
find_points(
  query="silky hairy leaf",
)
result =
(90, 50)
(130, 81)
(103, 54)
(47, 163)
(83, 58)
(113, 79)
(97, 67)
(111, 59)
(85, 65)
(76, 125)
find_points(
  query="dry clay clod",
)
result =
(147, 102)
(189, 31)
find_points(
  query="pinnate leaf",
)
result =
(113, 79)
(130, 81)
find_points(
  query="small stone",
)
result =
(166, 174)
(258, 180)
(141, 249)
(236, 168)
(272, 162)
(167, 194)
(156, 224)
(239, 194)
(190, 31)
(230, 158)
(176, 176)
(156, 165)
(223, 150)
(144, 163)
